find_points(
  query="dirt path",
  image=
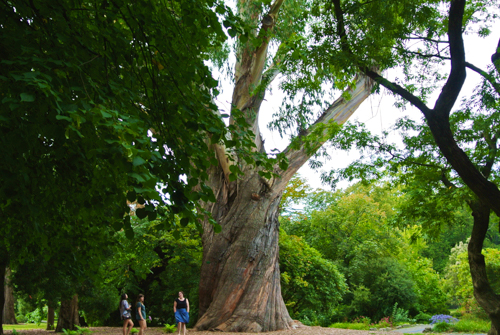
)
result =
(158, 331)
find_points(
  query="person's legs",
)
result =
(130, 325)
(179, 327)
(184, 329)
(142, 325)
(125, 325)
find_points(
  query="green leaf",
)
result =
(283, 164)
(131, 196)
(152, 215)
(27, 97)
(184, 222)
(217, 228)
(138, 160)
(141, 213)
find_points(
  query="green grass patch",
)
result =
(471, 326)
(347, 325)
(25, 326)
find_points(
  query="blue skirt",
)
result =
(181, 315)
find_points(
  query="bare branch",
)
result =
(486, 75)
(427, 39)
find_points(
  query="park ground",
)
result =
(159, 331)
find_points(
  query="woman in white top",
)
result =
(125, 314)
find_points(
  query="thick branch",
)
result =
(451, 89)
(247, 93)
(399, 90)
(339, 112)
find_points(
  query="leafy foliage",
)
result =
(310, 284)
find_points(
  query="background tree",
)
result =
(312, 286)
(442, 41)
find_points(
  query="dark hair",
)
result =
(123, 297)
(139, 297)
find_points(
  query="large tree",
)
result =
(83, 83)
(240, 281)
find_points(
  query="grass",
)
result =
(354, 326)
(471, 326)
(25, 326)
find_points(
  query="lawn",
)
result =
(25, 326)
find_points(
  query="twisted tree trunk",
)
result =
(240, 288)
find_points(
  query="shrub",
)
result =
(134, 330)
(362, 319)
(169, 328)
(441, 327)
(384, 322)
(423, 318)
(21, 318)
(400, 315)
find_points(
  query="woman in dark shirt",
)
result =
(181, 310)
(141, 313)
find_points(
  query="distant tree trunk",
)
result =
(9, 314)
(3, 267)
(483, 292)
(68, 315)
(50, 316)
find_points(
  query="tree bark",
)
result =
(68, 315)
(240, 286)
(483, 292)
(9, 314)
(50, 316)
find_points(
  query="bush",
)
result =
(169, 328)
(399, 315)
(423, 317)
(441, 327)
(362, 319)
(384, 323)
(440, 318)
(21, 318)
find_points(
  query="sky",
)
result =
(378, 112)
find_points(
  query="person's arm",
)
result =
(139, 312)
(187, 303)
(175, 306)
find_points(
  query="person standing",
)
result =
(125, 314)
(181, 310)
(141, 313)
